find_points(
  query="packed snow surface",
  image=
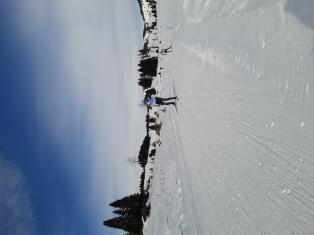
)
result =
(238, 157)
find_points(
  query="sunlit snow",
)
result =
(238, 158)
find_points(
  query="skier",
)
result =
(151, 99)
(157, 101)
(166, 50)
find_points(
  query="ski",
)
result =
(175, 94)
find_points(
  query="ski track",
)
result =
(185, 172)
(238, 158)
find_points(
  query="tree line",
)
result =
(131, 211)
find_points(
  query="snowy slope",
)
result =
(239, 156)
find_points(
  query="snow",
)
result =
(147, 11)
(238, 158)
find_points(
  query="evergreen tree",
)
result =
(129, 224)
(143, 154)
(142, 181)
(129, 212)
(149, 66)
(141, 9)
(145, 82)
(131, 201)
(152, 153)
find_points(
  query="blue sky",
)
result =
(69, 116)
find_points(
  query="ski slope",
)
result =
(238, 158)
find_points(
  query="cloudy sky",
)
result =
(69, 113)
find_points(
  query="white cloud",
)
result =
(16, 216)
(85, 52)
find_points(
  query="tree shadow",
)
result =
(303, 10)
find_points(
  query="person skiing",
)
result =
(150, 99)
(166, 50)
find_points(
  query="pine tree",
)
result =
(131, 201)
(141, 9)
(152, 153)
(148, 67)
(129, 224)
(143, 154)
(145, 82)
(142, 181)
(129, 212)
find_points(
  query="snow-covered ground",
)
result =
(239, 156)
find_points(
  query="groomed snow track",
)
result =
(238, 158)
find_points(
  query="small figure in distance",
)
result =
(166, 50)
